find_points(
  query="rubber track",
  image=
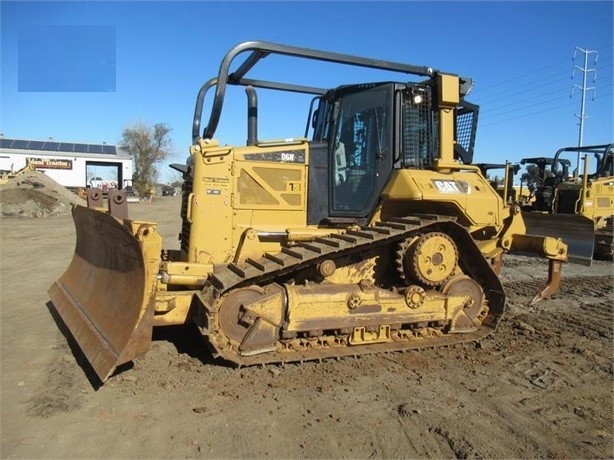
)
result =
(291, 259)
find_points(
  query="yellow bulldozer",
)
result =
(577, 207)
(6, 175)
(504, 185)
(372, 233)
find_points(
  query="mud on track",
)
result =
(541, 386)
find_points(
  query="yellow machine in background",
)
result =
(504, 185)
(373, 233)
(4, 177)
(577, 207)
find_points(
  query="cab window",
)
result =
(361, 128)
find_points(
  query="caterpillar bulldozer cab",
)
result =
(372, 233)
(577, 207)
(544, 187)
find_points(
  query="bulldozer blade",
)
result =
(576, 231)
(106, 297)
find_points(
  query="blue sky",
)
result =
(152, 57)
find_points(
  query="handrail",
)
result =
(600, 151)
(261, 49)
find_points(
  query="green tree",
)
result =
(149, 146)
(532, 177)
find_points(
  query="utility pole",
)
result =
(585, 71)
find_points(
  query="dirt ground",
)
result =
(541, 386)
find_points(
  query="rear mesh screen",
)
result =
(418, 139)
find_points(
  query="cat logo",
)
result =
(451, 186)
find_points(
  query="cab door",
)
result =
(361, 150)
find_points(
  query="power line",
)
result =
(527, 88)
(524, 115)
(515, 79)
(522, 90)
(490, 122)
(531, 75)
(502, 109)
(530, 91)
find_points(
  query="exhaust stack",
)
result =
(252, 116)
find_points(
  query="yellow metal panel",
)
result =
(278, 186)
(186, 268)
(402, 186)
(210, 206)
(447, 121)
(474, 199)
(449, 97)
(253, 192)
(269, 186)
(172, 307)
(185, 273)
(323, 307)
(448, 88)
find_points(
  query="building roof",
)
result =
(64, 147)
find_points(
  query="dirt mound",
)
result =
(34, 194)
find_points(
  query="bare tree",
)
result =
(149, 146)
(176, 179)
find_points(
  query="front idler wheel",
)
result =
(231, 311)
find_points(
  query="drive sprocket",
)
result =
(429, 259)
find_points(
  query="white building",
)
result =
(69, 164)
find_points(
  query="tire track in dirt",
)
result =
(543, 379)
(583, 305)
(59, 392)
(561, 352)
